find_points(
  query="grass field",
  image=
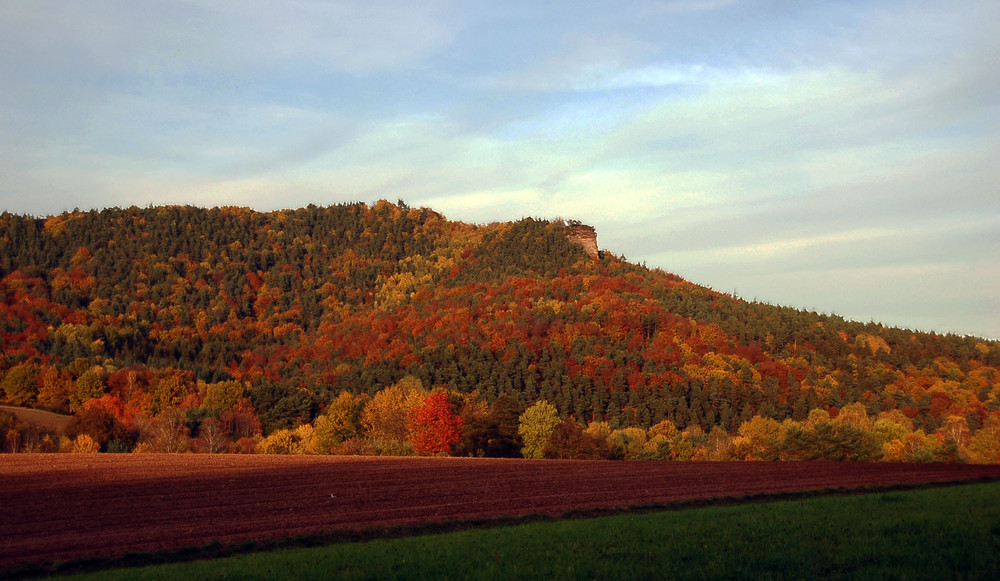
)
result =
(935, 533)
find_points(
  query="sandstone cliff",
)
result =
(585, 236)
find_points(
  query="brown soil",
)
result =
(58, 507)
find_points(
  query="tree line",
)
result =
(408, 419)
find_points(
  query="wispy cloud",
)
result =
(739, 144)
(162, 39)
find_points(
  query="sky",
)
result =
(841, 157)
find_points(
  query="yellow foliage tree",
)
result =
(385, 416)
(759, 438)
(342, 420)
(84, 444)
(305, 439)
(897, 417)
(599, 430)
(886, 430)
(718, 444)
(894, 451)
(817, 416)
(854, 414)
(629, 442)
(956, 428)
(57, 386)
(666, 428)
(984, 446)
(278, 442)
(535, 426)
(221, 396)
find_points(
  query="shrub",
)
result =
(84, 444)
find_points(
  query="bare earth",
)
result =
(59, 507)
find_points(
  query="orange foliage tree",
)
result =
(434, 427)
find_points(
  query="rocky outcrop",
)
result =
(586, 237)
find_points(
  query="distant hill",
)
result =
(154, 304)
(49, 421)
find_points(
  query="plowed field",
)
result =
(58, 507)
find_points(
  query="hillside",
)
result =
(204, 311)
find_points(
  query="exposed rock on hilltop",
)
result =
(585, 236)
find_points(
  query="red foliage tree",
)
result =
(102, 425)
(112, 406)
(241, 421)
(434, 426)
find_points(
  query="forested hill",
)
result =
(151, 305)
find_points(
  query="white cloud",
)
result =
(787, 246)
(606, 75)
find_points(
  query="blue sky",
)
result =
(836, 156)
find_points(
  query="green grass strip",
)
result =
(935, 533)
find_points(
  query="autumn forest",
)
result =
(386, 329)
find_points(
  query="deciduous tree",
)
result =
(20, 385)
(491, 433)
(386, 415)
(433, 426)
(212, 436)
(758, 439)
(88, 386)
(570, 441)
(57, 387)
(342, 419)
(101, 426)
(222, 395)
(984, 446)
(166, 432)
(241, 421)
(535, 426)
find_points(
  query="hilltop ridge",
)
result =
(586, 237)
(152, 305)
